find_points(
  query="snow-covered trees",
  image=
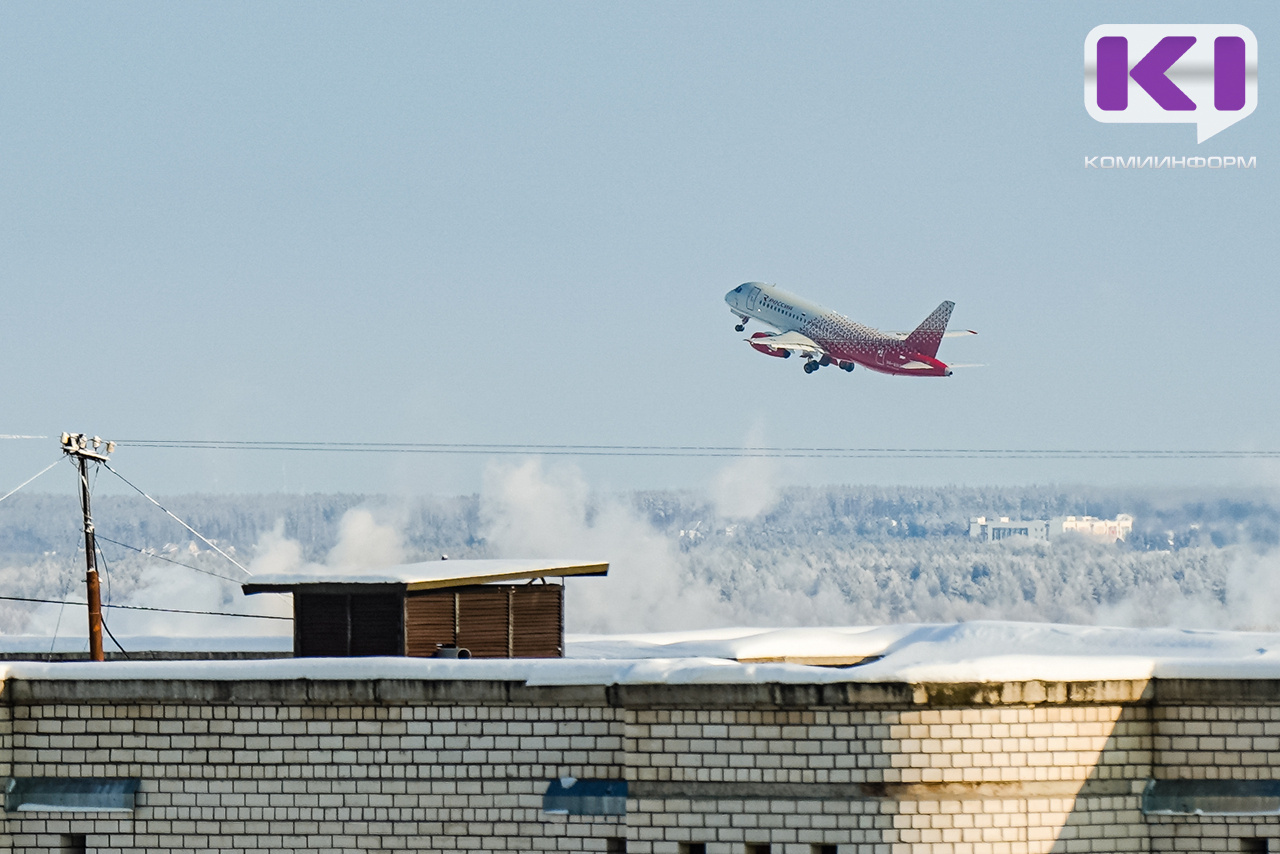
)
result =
(829, 555)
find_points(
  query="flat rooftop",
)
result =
(973, 652)
(429, 575)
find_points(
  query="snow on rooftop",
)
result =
(431, 574)
(986, 651)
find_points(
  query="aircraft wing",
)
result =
(793, 341)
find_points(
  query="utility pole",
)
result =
(76, 446)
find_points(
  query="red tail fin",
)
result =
(926, 337)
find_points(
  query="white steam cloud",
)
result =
(527, 511)
(747, 487)
(1248, 604)
(362, 542)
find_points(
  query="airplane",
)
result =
(824, 337)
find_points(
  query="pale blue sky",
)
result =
(516, 223)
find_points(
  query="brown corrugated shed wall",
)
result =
(342, 624)
(490, 620)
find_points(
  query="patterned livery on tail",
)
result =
(926, 337)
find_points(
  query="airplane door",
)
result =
(751, 299)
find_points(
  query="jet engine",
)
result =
(760, 342)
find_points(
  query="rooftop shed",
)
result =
(418, 609)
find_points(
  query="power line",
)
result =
(76, 447)
(106, 570)
(33, 477)
(146, 553)
(144, 608)
(107, 629)
(704, 450)
(176, 519)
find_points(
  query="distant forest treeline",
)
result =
(839, 555)
(35, 524)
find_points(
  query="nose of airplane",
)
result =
(735, 295)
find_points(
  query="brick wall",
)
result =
(985, 778)
(1215, 730)
(6, 769)
(297, 765)
(288, 772)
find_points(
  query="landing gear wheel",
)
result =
(810, 367)
(739, 328)
(847, 366)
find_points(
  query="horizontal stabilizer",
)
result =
(954, 333)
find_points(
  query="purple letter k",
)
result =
(1149, 73)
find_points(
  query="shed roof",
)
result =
(428, 575)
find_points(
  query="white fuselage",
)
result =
(786, 312)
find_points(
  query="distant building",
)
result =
(1106, 530)
(982, 528)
